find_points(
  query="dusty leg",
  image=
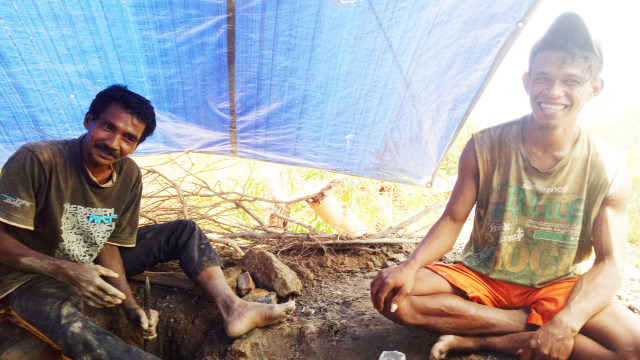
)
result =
(507, 344)
(614, 333)
(451, 314)
(448, 343)
(183, 240)
(437, 306)
(239, 316)
(510, 344)
(616, 328)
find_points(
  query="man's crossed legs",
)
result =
(438, 306)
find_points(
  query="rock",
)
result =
(258, 342)
(231, 275)
(326, 261)
(377, 263)
(370, 266)
(398, 257)
(302, 272)
(308, 311)
(261, 296)
(308, 331)
(241, 349)
(245, 284)
(270, 273)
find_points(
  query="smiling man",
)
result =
(69, 235)
(548, 196)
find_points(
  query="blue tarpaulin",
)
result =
(365, 87)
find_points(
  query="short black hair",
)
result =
(569, 34)
(135, 104)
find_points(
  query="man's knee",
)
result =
(615, 327)
(419, 311)
(187, 224)
(41, 295)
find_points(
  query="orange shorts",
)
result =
(543, 303)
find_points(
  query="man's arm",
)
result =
(110, 258)
(85, 279)
(438, 241)
(594, 290)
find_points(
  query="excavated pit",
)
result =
(333, 319)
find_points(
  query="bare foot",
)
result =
(447, 343)
(244, 316)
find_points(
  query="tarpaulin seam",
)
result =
(231, 68)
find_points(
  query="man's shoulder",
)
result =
(128, 170)
(48, 150)
(509, 126)
(47, 144)
(501, 137)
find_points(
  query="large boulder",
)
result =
(270, 273)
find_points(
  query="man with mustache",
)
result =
(69, 235)
(547, 196)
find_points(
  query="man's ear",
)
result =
(88, 118)
(596, 85)
(525, 81)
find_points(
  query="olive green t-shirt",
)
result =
(57, 208)
(534, 227)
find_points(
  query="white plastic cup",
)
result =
(392, 355)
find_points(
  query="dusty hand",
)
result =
(86, 280)
(392, 285)
(548, 342)
(147, 325)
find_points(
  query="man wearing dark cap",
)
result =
(549, 197)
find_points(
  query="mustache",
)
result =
(107, 150)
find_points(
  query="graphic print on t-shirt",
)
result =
(538, 228)
(84, 232)
(17, 202)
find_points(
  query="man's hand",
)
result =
(86, 280)
(549, 342)
(396, 282)
(138, 318)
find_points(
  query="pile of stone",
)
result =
(261, 277)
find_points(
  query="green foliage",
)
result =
(449, 165)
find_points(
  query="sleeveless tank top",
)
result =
(534, 227)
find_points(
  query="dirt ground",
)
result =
(333, 319)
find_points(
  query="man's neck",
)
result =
(100, 174)
(546, 146)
